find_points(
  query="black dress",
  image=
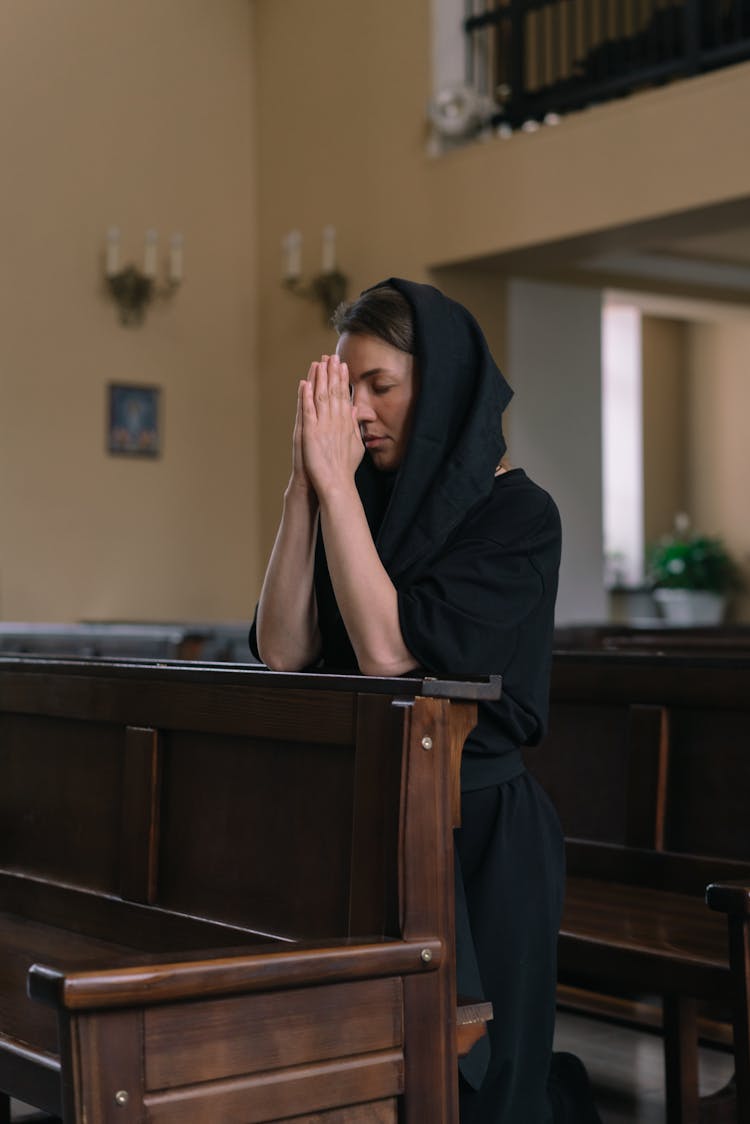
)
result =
(474, 558)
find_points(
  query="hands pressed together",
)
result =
(327, 445)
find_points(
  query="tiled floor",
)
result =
(626, 1069)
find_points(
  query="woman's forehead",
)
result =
(367, 354)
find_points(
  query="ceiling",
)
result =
(703, 254)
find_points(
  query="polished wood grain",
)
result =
(427, 901)
(141, 810)
(282, 1095)
(215, 1039)
(201, 910)
(648, 761)
(380, 1112)
(155, 980)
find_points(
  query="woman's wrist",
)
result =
(337, 494)
(300, 491)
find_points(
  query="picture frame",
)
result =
(133, 420)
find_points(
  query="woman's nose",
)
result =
(363, 411)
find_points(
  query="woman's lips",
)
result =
(372, 442)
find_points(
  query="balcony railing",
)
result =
(535, 60)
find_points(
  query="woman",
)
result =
(407, 542)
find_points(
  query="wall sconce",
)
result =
(133, 289)
(329, 287)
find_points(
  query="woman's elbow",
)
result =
(278, 658)
(387, 667)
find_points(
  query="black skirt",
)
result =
(511, 857)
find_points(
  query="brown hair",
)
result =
(382, 312)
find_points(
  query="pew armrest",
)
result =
(298, 965)
(729, 897)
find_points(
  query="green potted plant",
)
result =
(691, 575)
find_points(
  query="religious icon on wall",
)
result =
(133, 420)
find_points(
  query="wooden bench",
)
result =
(708, 639)
(118, 640)
(648, 762)
(229, 893)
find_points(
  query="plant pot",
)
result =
(685, 607)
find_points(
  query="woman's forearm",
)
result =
(365, 594)
(287, 622)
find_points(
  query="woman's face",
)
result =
(384, 392)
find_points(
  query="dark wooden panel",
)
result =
(660, 870)
(380, 1112)
(107, 918)
(709, 798)
(583, 765)
(204, 702)
(60, 800)
(427, 906)
(103, 1060)
(647, 771)
(283, 1093)
(229, 804)
(248, 1034)
(662, 679)
(139, 823)
(374, 888)
(24, 942)
(34, 1076)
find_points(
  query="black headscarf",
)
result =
(456, 441)
(454, 448)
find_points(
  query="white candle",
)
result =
(293, 265)
(112, 260)
(149, 255)
(329, 249)
(176, 258)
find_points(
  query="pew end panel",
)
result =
(177, 837)
(648, 762)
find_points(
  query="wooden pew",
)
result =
(709, 639)
(229, 893)
(118, 640)
(648, 762)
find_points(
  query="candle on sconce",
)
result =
(176, 260)
(149, 255)
(292, 247)
(329, 249)
(112, 257)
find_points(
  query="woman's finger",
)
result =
(321, 386)
(307, 400)
(338, 394)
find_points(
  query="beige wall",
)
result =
(139, 114)
(212, 116)
(342, 94)
(665, 389)
(719, 462)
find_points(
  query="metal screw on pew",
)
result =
(426, 955)
(426, 743)
(122, 1097)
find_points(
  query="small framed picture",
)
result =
(133, 427)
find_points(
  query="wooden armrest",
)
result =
(296, 966)
(729, 897)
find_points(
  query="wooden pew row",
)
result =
(171, 640)
(228, 894)
(648, 762)
(733, 639)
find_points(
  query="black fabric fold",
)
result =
(457, 438)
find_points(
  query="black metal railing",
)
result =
(537, 58)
